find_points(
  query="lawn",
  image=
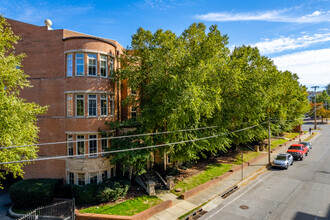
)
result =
(275, 143)
(291, 135)
(127, 208)
(211, 171)
(246, 157)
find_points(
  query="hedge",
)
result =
(31, 193)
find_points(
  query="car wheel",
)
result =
(306, 154)
(287, 166)
(292, 163)
(302, 157)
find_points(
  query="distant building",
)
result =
(71, 73)
(311, 95)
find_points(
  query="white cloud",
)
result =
(312, 67)
(270, 16)
(290, 43)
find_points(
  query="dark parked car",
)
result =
(283, 161)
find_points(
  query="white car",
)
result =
(283, 161)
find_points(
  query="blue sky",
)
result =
(295, 34)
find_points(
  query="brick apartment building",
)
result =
(72, 73)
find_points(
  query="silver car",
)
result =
(283, 161)
(307, 144)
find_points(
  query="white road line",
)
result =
(240, 195)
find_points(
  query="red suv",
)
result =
(298, 151)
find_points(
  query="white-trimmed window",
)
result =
(133, 92)
(70, 145)
(80, 105)
(93, 178)
(92, 58)
(81, 179)
(92, 105)
(69, 64)
(92, 145)
(80, 145)
(133, 113)
(112, 67)
(112, 105)
(70, 178)
(79, 64)
(104, 143)
(103, 66)
(104, 105)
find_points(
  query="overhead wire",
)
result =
(128, 149)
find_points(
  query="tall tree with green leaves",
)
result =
(17, 117)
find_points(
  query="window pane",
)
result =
(81, 179)
(69, 64)
(92, 64)
(104, 105)
(133, 113)
(92, 105)
(105, 175)
(112, 67)
(70, 145)
(103, 66)
(71, 178)
(80, 145)
(104, 143)
(79, 64)
(112, 105)
(93, 178)
(80, 108)
(92, 145)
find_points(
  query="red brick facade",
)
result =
(80, 102)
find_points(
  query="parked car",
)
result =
(283, 161)
(307, 144)
(298, 151)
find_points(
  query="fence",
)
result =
(59, 211)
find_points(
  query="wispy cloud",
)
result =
(270, 16)
(157, 4)
(312, 66)
(269, 46)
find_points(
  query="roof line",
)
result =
(90, 37)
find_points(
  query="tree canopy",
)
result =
(194, 80)
(17, 117)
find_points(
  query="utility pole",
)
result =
(315, 87)
(269, 140)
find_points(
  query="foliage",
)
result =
(85, 194)
(33, 192)
(211, 171)
(127, 208)
(18, 117)
(193, 80)
(110, 190)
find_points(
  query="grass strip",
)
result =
(246, 157)
(211, 171)
(311, 136)
(127, 208)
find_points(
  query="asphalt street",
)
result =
(299, 193)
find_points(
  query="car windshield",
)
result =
(295, 147)
(281, 157)
(304, 143)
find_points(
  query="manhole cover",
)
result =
(244, 207)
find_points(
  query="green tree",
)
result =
(17, 117)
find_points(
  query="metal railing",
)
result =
(58, 211)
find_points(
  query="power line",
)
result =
(130, 149)
(109, 138)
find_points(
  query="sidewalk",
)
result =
(211, 194)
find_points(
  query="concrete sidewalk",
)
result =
(209, 198)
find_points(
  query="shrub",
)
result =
(33, 192)
(110, 190)
(64, 191)
(85, 194)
